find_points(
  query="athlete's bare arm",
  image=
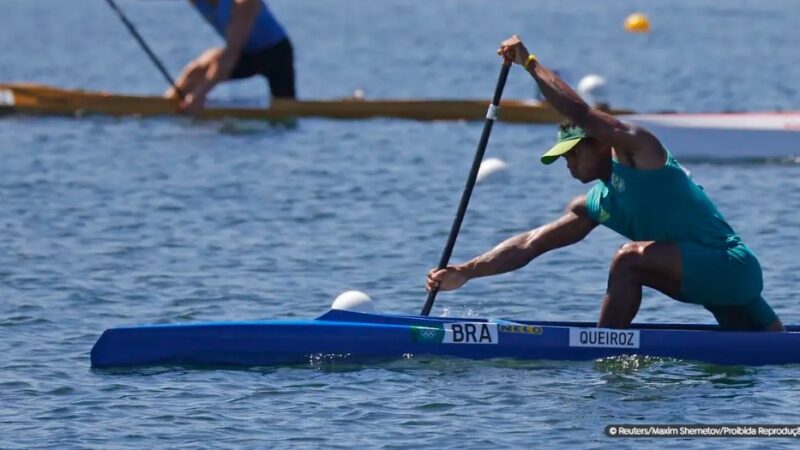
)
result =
(518, 251)
(637, 146)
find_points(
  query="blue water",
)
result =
(105, 222)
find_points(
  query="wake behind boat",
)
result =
(361, 337)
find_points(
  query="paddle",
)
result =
(491, 115)
(144, 46)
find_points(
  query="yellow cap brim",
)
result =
(558, 150)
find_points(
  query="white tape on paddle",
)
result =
(6, 98)
(493, 112)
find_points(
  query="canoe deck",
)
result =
(359, 337)
(47, 100)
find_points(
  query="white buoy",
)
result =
(355, 301)
(494, 168)
(593, 89)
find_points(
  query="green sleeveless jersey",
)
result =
(662, 204)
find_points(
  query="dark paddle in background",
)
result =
(144, 46)
(491, 115)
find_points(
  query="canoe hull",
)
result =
(46, 100)
(363, 337)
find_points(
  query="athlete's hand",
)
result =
(513, 50)
(445, 279)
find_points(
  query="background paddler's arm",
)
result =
(635, 142)
(243, 17)
(518, 251)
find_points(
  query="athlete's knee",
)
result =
(628, 259)
(209, 55)
(196, 68)
(202, 62)
(191, 75)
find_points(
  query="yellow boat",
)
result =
(47, 100)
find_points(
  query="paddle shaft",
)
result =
(146, 48)
(473, 175)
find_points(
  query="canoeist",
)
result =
(255, 44)
(680, 243)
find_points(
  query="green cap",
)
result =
(565, 141)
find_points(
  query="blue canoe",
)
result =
(357, 336)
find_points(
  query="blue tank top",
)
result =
(662, 204)
(266, 30)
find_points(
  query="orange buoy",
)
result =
(637, 23)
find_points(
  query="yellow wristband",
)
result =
(531, 58)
